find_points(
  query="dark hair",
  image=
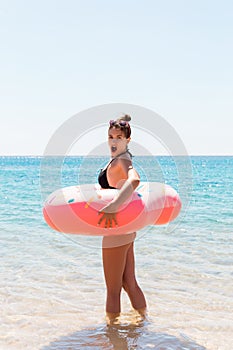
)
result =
(122, 123)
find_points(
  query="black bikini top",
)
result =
(102, 178)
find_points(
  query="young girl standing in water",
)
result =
(118, 251)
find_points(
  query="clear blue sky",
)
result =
(61, 57)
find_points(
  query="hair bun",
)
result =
(125, 117)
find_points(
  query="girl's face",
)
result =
(117, 141)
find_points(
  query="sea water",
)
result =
(52, 290)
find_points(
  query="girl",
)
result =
(118, 251)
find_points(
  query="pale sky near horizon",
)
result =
(61, 57)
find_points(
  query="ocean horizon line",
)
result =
(107, 155)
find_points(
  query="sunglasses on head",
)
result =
(121, 123)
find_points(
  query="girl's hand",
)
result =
(108, 216)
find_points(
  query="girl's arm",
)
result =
(109, 211)
(126, 190)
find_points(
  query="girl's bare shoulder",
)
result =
(123, 161)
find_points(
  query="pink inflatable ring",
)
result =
(75, 209)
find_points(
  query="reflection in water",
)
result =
(122, 337)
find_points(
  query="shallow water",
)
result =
(52, 290)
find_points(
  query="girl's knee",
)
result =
(125, 287)
(114, 291)
(129, 286)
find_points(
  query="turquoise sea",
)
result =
(52, 290)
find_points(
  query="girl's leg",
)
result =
(114, 261)
(130, 283)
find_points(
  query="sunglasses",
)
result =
(121, 123)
